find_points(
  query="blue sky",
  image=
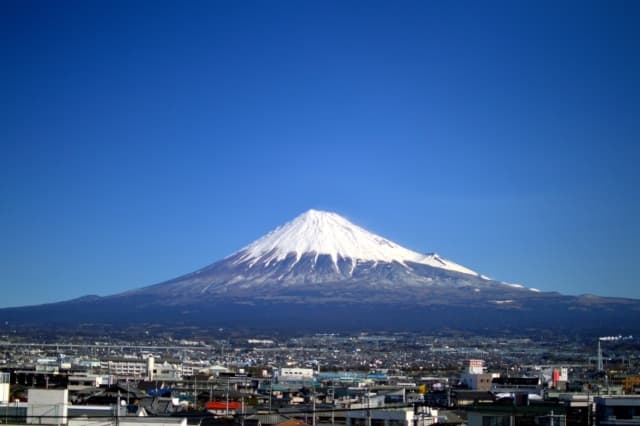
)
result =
(142, 140)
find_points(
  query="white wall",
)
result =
(47, 406)
(296, 374)
(131, 421)
(4, 393)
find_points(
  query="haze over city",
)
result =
(144, 140)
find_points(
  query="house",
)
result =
(224, 408)
(392, 417)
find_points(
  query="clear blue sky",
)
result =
(141, 140)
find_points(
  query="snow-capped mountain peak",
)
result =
(326, 233)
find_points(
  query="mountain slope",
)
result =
(324, 254)
(321, 272)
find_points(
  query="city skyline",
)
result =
(143, 141)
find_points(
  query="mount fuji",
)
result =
(321, 272)
(316, 251)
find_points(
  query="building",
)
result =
(5, 379)
(516, 415)
(130, 421)
(47, 406)
(517, 385)
(617, 410)
(125, 367)
(295, 374)
(631, 383)
(474, 376)
(83, 381)
(392, 417)
(556, 378)
(228, 408)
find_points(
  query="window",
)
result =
(496, 421)
(625, 413)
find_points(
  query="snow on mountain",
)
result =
(326, 233)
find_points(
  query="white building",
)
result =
(47, 406)
(295, 374)
(125, 367)
(392, 417)
(474, 376)
(475, 366)
(130, 421)
(5, 379)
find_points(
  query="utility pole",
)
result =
(313, 396)
(242, 412)
(118, 410)
(333, 403)
(368, 408)
(227, 396)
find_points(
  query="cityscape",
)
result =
(377, 379)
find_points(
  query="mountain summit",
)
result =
(321, 272)
(325, 233)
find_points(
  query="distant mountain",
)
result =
(322, 272)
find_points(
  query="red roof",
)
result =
(293, 422)
(222, 405)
